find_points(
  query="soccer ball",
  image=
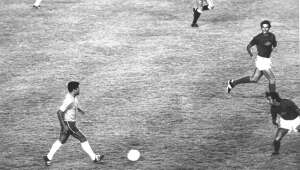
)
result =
(133, 155)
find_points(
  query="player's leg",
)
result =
(197, 10)
(37, 3)
(247, 79)
(63, 137)
(279, 135)
(75, 132)
(272, 81)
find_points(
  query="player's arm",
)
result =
(249, 46)
(61, 117)
(61, 114)
(274, 42)
(295, 108)
(298, 111)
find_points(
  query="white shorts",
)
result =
(210, 4)
(263, 63)
(291, 125)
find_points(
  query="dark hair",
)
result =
(265, 22)
(273, 95)
(73, 85)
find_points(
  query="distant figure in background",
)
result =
(289, 117)
(37, 4)
(265, 42)
(199, 7)
(67, 119)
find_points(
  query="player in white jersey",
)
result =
(199, 7)
(37, 4)
(67, 118)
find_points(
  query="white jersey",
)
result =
(69, 106)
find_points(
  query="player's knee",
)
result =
(272, 81)
(63, 140)
(82, 139)
(254, 79)
(276, 142)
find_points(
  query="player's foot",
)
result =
(36, 6)
(47, 161)
(98, 158)
(194, 25)
(275, 153)
(229, 86)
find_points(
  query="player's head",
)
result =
(73, 87)
(265, 26)
(273, 98)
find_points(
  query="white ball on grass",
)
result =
(133, 155)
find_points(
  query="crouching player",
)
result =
(67, 119)
(199, 7)
(289, 117)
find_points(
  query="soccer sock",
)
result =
(272, 87)
(196, 15)
(87, 148)
(37, 2)
(241, 80)
(276, 146)
(56, 145)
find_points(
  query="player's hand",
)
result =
(81, 112)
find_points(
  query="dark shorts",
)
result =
(72, 130)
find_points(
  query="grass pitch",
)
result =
(148, 81)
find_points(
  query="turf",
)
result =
(148, 81)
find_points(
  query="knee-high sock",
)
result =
(56, 145)
(242, 80)
(276, 146)
(272, 87)
(87, 148)
(196, 15)
(37, 2)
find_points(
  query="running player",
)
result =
(67, 118)
(289, 117)
(265, 42)
(199, 7)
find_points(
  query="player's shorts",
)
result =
(263, 63)
(210, 4)
(72, 130)
(290, 125)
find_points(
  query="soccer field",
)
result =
(148, 81)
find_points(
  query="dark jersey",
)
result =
(287, 110)
(264, 44)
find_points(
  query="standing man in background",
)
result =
(67, 119)
(37, 4)
(199, 7)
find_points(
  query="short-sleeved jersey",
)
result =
(69, 106)
(264, 44)
(287, 110)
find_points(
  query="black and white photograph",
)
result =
(149, 85)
